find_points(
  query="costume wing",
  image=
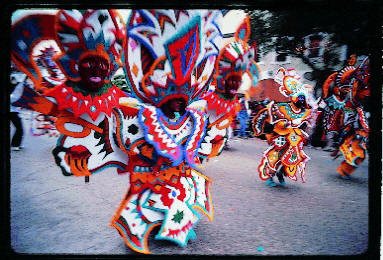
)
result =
(25, 35)
(259, 121)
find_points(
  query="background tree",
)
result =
(283, 30)
(120, 81)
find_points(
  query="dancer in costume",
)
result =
(221, 105)
(169, 61)
(90, 42)
(283, 124)
(352, 132)
(335, 94)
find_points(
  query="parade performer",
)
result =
(335, 94)
(168, 59)
(169, 63)
(351, 134)
(90, 42)
(284, 123)
(221, 105)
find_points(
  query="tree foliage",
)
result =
(283, 30)
(352, 26)
(120, 82)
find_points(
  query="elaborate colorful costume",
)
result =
(335, 94)
(167, 55)
(347, 128)
(283, 123)
(221, 105)
(88, 40)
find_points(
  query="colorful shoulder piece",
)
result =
(25, 35)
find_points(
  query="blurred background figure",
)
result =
(347, 122)
(312, 103)
(17, 82)
(243, 116)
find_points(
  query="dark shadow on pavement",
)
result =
(355, 181)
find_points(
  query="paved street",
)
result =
(54, 214)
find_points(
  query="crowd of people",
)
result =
(169, 123)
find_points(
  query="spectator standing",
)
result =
(243, 117)
(17, 87)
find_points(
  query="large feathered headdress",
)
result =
(171, 53)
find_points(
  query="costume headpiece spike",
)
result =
(328, 84)
(362, 72)
(344, 76)
(361, 86)
(282, 70)
(243, 30)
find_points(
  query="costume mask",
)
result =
(93, 71)
(292, 87)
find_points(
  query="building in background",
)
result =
(269, 65)
(231, 21)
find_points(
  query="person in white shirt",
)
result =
(17, 86)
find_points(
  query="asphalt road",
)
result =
(55, 214)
